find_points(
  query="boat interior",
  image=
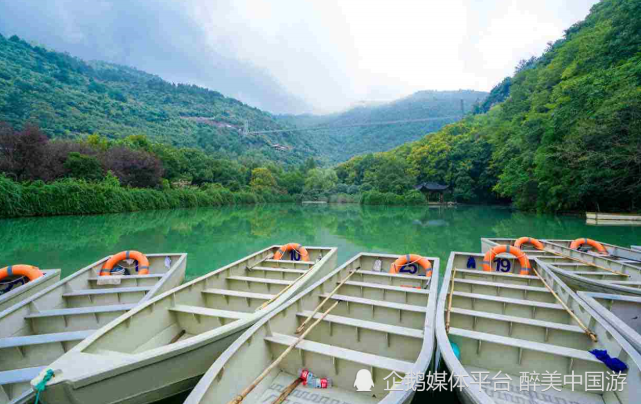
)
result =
(616, 253)
(39, 330)
(504, 321)
(378, 324)
(587, 266)
(212, 302)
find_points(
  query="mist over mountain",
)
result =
(162, 38)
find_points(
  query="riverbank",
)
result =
(76, 197)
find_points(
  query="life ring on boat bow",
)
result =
(411, 260)
(143, 262)
(29, 271)
(580, 241)
(516, 252)
(529, 240)
(304, 255)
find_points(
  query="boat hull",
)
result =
(160, 373)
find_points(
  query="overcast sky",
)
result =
(297, 56)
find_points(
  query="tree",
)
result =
(133, 167)
(84, 167)
(24, 153)
(262, 178)
(320, 181)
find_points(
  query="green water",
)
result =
(215, 237)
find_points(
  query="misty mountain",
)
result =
(162, 38)
(342, 143)
(70, 98)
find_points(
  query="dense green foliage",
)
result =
(568, 136)
(337, 145)
(69, 98)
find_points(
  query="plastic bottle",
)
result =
(313, 381)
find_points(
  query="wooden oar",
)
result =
(283, 396)
(587, 263)
(302, 326)
(248, 389)
(449, 304)
(590, 334)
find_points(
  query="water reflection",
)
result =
(214, 237)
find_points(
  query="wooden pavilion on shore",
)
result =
(428, 187)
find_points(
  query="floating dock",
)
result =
(613, 219)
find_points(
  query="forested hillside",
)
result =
(568, 137)
(69, 98)
(338, 145)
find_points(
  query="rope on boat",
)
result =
(40, 387)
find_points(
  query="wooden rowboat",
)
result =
(379, 321)
(580, 270)
(21, 292)
(164, 346)
(520, 325)
(615, 253)
(622, 312)
(37, 331)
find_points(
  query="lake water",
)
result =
(215, 237)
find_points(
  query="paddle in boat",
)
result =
(523, 336)
(366, 326)
(578, 269)
(621, 311)
(162, 347)
(19, 282)
(38, 330)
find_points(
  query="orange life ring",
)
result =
(143, 262)
(520, 255)
(304, 255)
(29, 271)
(580, 241)
(529, 240)
(410, 259)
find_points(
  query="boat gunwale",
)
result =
(628, 332)
(48, 274)
(420, 365)
(474, 393)
(150, 357)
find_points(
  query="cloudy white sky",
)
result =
(296, 56)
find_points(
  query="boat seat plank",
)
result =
(12, 342)
(310, 263)
(508, 300)
(81, 310)
(123, 277)
(20, 375)
(377, 303)
(502, 285)
(106, 291)
(525, 344)
(491, 274)
(387, 274)
(203, 311)
(238, 293)
(279, 270)
(388, 287)
(259, 280)
(520, 320)
(362, 358)
(369, 325)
